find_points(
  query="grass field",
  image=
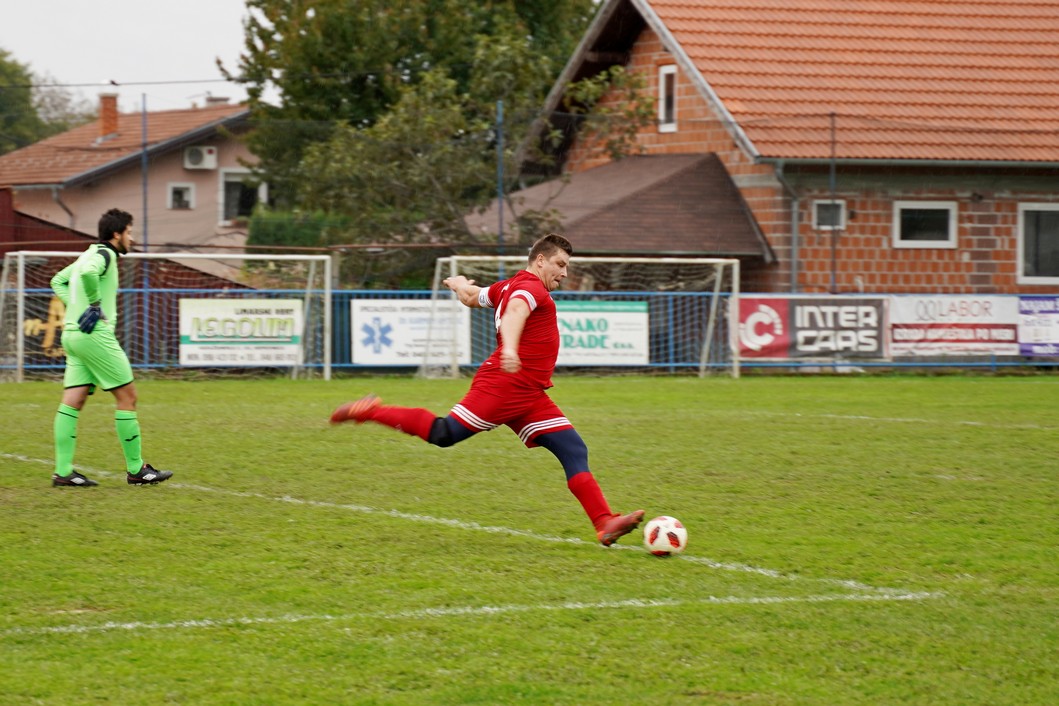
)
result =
(852, 541)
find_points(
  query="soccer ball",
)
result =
(664, 536)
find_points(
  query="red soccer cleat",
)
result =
(618, 526)
(360, 411)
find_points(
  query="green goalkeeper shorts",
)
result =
(95, 359)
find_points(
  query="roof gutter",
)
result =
(700, 82)
(57, 198)
(780, 161)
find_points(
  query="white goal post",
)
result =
(179, 311)
(667, 314)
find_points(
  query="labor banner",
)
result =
(953, 324)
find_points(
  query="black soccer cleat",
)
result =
(147, 476)
(74, 480)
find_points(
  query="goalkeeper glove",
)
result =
(90, 318)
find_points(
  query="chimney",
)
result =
(108, 115)
(216, 100)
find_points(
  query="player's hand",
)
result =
(88, 320)
(510, 362)
(454, 283)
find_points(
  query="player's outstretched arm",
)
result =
(466, 290)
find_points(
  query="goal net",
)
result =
(209, 313)
(658, 314)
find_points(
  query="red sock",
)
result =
(415, 421)
(585, 488)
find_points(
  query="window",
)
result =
(667, 98)
(925, 224)
(1039, 243)
(239, 196)
(181, 197)
(829, 215)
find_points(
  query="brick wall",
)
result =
(865, 260)
(984, 261)
(699, 130)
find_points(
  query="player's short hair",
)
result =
(113, 222)
(549, 245)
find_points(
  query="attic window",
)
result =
(924, 224)
(667, 98)
(1038, 243)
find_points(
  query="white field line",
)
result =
(894, 420)
(459, 611)
(476, 527)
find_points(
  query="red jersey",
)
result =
(539, 346)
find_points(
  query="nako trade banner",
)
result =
(603, 333)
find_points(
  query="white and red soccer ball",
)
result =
(665, 536)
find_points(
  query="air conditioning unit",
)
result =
(200, 157)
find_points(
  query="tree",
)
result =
(346, 62)
(60, 110)
(401, 156)
(20, 125)
(33, 107)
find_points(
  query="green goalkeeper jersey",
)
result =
(91, 278)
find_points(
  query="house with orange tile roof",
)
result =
(833, 146)
(181, 173)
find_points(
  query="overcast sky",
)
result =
(134, 42)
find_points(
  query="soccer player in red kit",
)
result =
(511, 386)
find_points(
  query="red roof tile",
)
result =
(905, 79)
(79, 151)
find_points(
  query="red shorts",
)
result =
(529, 412)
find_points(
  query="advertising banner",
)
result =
(1039, 326)
(603, 333)
(782, 328)
(954, 324)
(396, 331)
(240, 332)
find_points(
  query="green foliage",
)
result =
(308, 230)
(615, 123)
(852, 541)
(347, 62)
(31, 110)
(20, 125)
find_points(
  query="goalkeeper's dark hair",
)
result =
(113, 222)
(549, 245)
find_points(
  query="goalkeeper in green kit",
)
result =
(94, 358)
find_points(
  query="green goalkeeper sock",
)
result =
(129, 435)
(65, 428)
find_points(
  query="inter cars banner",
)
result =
(1039, 326)
(953, 324)
(819, 327)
